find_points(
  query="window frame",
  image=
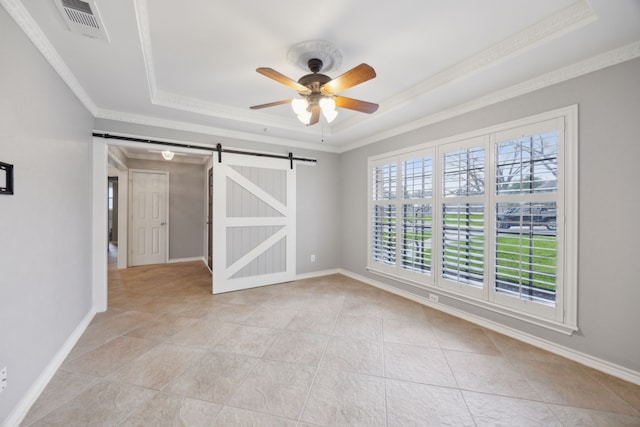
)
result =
(561, 318)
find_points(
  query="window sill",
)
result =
(487, 305)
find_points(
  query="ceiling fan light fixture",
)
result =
(300, 106)
(168, 155)
(327, 104)
(330, 116)
(305, 117)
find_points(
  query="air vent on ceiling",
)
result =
(82, 17)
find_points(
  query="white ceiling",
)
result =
(191, 65)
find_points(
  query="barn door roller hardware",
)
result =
(218, 148)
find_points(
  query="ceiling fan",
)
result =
(319, 92)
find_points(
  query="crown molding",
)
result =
(607, 59)
(25, 21)
(200, 106)
(209, 130)
(568, 19)
(195, 105)
(565, 20)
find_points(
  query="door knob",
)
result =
(162, 223)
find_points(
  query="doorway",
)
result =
(112, 206)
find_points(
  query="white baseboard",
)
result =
(22, 408)
(195, 258)
(317, 274)
(579, 357)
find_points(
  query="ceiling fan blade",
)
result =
(271, 104)
(354, 76)
(315, 115)
(356, 104)
(281, 78)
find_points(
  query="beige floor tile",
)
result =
(353, 355)
(396, 307)
(515, 349)
(157, 367)
(417, 364)
(197, 309)
(367, 307)
(245, 340)
(242, 418)
(419, 405)
(414, 332)
(344, 398)
(570, 384)
(108, 329)
(289, 301)
(166, 410)
(110, 356)
(214, 377)
(63, 387)
(105, 404)
(499, 411)
(109, 314)
(463, 336)
(298, 347)
(324, 303)
(577, 417)
(359, 327)
(236, 313)
(489, 374)
(159, 304)
(199, 334)
(267, 317)
(328, 342)
(275, 388)
(627, 391)
(160, 328)
(312, 322)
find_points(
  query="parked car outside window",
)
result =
(527, 217)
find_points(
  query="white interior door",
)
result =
(254, 222)
(148, 235)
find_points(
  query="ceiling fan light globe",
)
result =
(299, 106)
(305, 117)
(327, 104)
(330, 116)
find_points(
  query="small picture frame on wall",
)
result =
(6, 178)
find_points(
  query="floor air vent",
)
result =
(82, 17)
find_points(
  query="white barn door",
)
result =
(254, 222)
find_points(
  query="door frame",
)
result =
(209, 207)
(99, 235)
(166, 208)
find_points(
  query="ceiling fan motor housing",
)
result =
(316, 80)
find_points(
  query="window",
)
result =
(488, 217)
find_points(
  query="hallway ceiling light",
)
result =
(168, 155)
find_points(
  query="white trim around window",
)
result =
(488, 217)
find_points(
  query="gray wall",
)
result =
(318, 191)
(45, 228)
(186, 205)
(609, 198)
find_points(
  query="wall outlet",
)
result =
(433, 298)
(313, 258)
(3, 379)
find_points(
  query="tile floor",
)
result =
(328, 351)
